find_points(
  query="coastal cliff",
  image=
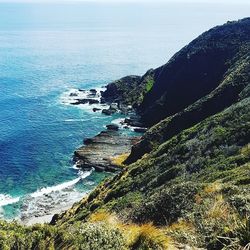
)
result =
(186, 182)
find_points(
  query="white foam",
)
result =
(118, 121)
(47, 190)
(72, 96)
(7, 199)
(76, 120)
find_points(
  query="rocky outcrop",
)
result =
(119, 90)
(99, 150)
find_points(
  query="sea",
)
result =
(49, 50)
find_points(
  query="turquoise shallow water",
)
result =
(48, 49)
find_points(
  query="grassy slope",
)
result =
(168, 185)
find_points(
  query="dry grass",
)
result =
(214, 187)
(149, 236)
(103, 216)
(146, 235)
(119, 159)
(220, 209)
(245, 150)
(183, 232)
(181, 225)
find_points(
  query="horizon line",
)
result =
(130, 1)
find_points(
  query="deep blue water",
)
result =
(48, 49)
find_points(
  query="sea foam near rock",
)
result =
(72, 96)
(6, 199)
(48, 199)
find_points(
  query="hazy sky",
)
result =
(136, 1)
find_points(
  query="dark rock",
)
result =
(96, 109)
(80, 101)
(87, 141)
(54, 219)
(93, 91)
(108, 111)
(133, 122)
(73, 94)
(118, 90)
(140, 130)
(93, 101)
(112, 127)
(84, 101)
(102, 101)
(81, 90)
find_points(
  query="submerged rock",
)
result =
(112, 127)
(85, 101)
(108, 112)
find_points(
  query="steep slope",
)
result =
(229, 90)
(195, 70)
(183, 179)
(191, 85)
(190, 74)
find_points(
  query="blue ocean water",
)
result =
(48, 49)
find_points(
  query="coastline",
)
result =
(45, 218)
(96, 152)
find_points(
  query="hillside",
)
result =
(186, 184)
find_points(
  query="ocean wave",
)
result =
(6, 199)
(47, 190)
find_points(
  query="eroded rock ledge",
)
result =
(98, 151)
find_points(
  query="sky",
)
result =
(136, 1)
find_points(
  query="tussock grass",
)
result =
(119, 159)
(145, 236)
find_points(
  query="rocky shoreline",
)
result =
(98, 152)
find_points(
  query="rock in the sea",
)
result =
(73, 94)
(108, 111)
(80, 101)
(112, 127)
(114, 106)
(96, 109)
(84, 101)
(93, 101)
(140, 130)
(93, 91)
(133, 122)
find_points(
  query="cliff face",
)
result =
(187, 182)
(195, 71)
(192, 73)
(225, 94)
(200, 80)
